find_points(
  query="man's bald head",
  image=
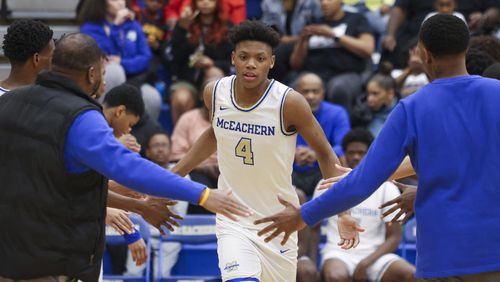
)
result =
(311, 86)
(309, 77)
(76, 52)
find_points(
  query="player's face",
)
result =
(113, 6)
(354, 153)
(159, 149)
(312, 89)
(445, 6)
(330, 7)
(378, 96)
(122, 121)
(252, 61)
(206, 7)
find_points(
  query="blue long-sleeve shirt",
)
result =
(451, 131)
(90, 144)
(335, 123)
(126, 40)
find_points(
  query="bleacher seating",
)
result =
(198, 258)
(114, 238)
(409, 240)
(42, 9)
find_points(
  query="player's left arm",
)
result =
(297, 115)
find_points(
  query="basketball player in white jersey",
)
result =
(255, 122)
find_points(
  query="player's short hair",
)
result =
(357, 135)
(444, 35)
(126, 95)
(25, 38)
(253, 30)
(477, 61)
(384, 81)
(77, 51)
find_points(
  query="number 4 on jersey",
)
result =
(244, 150)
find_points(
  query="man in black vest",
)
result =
(29, 47)
(56, 152)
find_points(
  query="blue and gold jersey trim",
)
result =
(233, 100)
(282, 123)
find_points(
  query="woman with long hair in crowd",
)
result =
(199, 43)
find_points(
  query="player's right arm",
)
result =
(206, 144)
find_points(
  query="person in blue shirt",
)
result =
(57, 153)
(334, 121)
(113, 27)
(450, 130)
(123, 41)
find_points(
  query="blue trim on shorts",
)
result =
(243, 279)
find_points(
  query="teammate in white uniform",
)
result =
(373, 259)
(254, 126)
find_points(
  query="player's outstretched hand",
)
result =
(404, 203)
(327, 183)
(138, 251)
(222, 202)
(118, 219)
(156, 211)
(287, 221)
(348, 231)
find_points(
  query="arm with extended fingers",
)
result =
(403, 203)
(297, 116)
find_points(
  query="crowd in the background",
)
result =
(352, 60)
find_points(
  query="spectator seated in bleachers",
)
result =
(488, 44)
(334, 121)
(477, 61)
(373, 110)
(493, 71)
(234, 10)
(404, 23)
(188, 129)
(113, 26)
(482, 15)
(445, 7)
(337, 49)
(407, 16)
(373, 259)
(154, 23)
(183, 97)
(375, 11)
(289, 18)
(413, 77)
(199, 41)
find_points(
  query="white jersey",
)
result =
(3, 91)
(254, 150)
(369, 216)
